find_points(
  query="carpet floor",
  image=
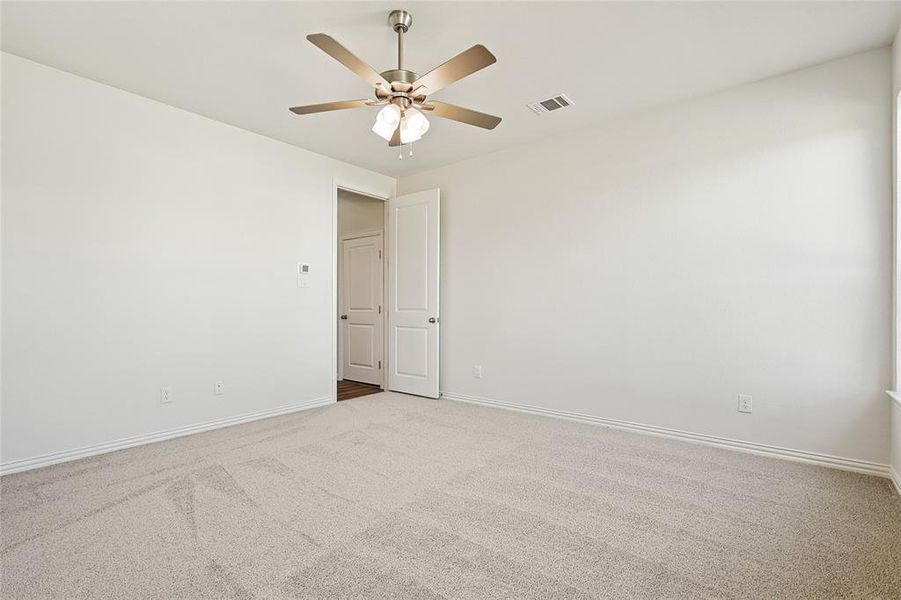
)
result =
(392, 496)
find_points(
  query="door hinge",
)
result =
(380, 254)
(380, 365)
(380, 309)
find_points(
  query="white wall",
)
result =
(896, 443)
(896, 410)
(144, 246)
(652, 269)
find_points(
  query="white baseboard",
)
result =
(53, 458)
(896, 479)
(824, 460)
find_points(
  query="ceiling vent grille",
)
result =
(551, 104)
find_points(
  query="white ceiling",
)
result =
(245, 63)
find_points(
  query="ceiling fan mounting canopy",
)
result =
(400, 19)
(405, 89)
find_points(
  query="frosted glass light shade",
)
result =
(384, 130)
(413, 126)
(386, 122)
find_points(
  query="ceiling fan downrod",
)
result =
(400, 78)
(400, 21)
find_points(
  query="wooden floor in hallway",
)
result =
(353, 389)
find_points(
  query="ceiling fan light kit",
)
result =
(387, 121)
(403, 94)
(413, 126)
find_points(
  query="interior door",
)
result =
(413, 315)
(362, 304)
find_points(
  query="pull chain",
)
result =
(411, 149)
(400, 153)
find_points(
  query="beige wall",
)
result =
(359, 214)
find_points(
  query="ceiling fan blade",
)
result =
(395, 139)
(327, 106)
(344, 56)
(466, 63)
(463, 115)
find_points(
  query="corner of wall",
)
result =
(895, 418)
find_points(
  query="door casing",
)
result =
(377, 194)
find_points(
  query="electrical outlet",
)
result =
(477, 371)
(165, 395)
(219, 388)
(745, 403)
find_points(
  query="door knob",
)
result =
(343, 317)
(433, 320)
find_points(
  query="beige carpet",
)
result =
(393, 496)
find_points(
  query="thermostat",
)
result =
(303, 269)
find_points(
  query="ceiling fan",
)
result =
(402, 93)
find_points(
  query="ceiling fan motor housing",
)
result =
(400, 76)
(401, 88)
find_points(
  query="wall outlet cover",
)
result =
(745, 403)
(219, 388)
(165, 395)
(477, 371)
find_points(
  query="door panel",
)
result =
(362, 298)
(413, 246)
(412, 345)
(361, 345)
(360, 287)
(413, 268)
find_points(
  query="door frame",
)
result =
(383, 316)
(361, 188)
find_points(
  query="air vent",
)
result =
(551, 104)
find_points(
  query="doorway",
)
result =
(409, 325)
(361, 295)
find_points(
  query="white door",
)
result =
(413, 317)
(362, 305)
